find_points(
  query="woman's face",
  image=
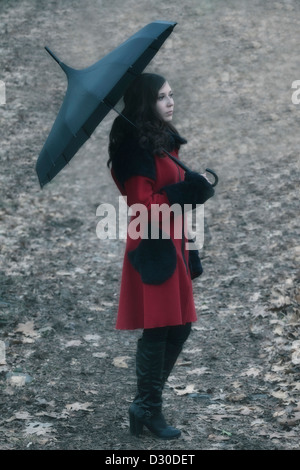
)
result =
(165, 103)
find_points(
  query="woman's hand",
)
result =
(194, 177)
(195, 189)
(205, 176)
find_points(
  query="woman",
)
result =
(156, 288)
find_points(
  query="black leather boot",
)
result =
(172, 352)
(146, 410)
(174, 346)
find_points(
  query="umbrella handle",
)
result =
(214, 175)
(185, 168)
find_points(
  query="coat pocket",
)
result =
(154, 259)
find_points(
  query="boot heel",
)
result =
(135, 425)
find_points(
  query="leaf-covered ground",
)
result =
(67, 376)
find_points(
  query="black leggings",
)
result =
(176, 334)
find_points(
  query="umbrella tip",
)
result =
(52, 55)
(65, 68)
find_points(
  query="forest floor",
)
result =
(67, 376)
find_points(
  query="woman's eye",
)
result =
(161, 97)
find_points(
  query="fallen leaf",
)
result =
(275, 435)
(279, 412)
(2, 353)
(290, 421)
(199, 371)
(93, 338)
(213, 437)
(254, 297)
(257, 422)
(72, 343)
(100, 355)
(27, 330)
(79, 406)
(272, 377)
(40, 429)
(194, 350)
(236, 384)
(17, 380)
(120, 361)
(19, 415)
(188, 389)
(219, 417)
(182, 362)
(280, 394)
(246, 411)
(252, 371)
(296, 357)
(277, 368)
(259, 311)
(279, 330)
(296, 352)
(236, 397)
(53, 414)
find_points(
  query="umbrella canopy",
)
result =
(92, 92)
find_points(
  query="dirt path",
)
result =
(67, 377)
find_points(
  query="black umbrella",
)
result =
(92, 92)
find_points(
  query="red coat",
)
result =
(156, 286)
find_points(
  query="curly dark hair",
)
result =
(150, 131)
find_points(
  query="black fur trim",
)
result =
(195, 189)
(195, 263)
(132, 160)
(154, 259)
(176, 141)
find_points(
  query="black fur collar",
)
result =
(132, 160)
